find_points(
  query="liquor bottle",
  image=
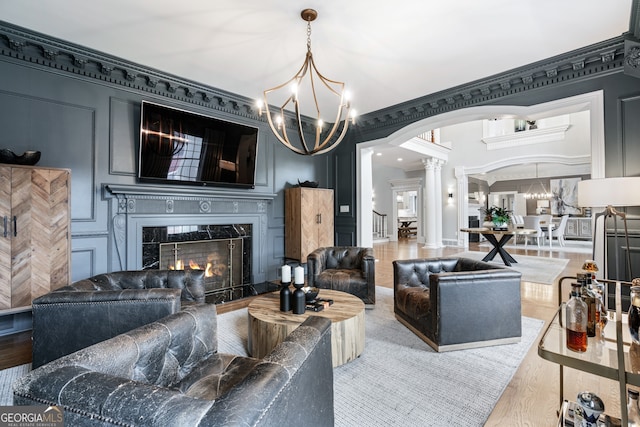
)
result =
(634, 314)
(576, 320)
(590, 298)
(633, 412)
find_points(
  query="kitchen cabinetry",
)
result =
(35, 226)
(308, 221)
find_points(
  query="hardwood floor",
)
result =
(532, 396)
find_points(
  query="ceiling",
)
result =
(385, 54)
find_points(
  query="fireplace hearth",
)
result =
(223, 251)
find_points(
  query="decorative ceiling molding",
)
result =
(534, 136)
(600, 59)
(25, 45)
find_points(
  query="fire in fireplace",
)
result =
(223, 251)
(220, 259)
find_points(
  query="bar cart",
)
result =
(608, 357)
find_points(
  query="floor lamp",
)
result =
(608, 193)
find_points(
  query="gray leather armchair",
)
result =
(344, 268)
(170, 373)
(100, 307)
(458, 303)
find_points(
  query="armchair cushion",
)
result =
(455, 303)
(101, 307)
(169, 373)
(343, 268)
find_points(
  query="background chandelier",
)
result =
(325, 139)
(538, 195)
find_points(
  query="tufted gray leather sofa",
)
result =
(457, 303)
(100, 307)
(344, 268)
(169, 373)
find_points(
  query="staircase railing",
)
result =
(379, 225)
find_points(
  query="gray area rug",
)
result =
(398, 380)
(534, 269)
(7, 377)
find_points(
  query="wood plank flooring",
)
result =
(532, 396)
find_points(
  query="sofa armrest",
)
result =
(316, 262)
(476, 305)
(66, 321)
(270, 395)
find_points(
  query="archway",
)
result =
(591, 102)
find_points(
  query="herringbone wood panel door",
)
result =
(39, 238)
(5, 238)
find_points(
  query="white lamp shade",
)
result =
(602, 192)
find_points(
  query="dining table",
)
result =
(498, 238)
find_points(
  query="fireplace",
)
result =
(222, 251)
(144, 217)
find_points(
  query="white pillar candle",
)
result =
(299, 275)
(285, 274)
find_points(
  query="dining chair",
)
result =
(558, 232)
(518, 222)
(533, 222)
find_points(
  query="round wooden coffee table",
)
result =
(268, 326)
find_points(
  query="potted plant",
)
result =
(500, 217)
(496, 217)
(487, 216)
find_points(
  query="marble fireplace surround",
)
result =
(138, 206)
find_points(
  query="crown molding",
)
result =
(596, 60)
(24, 45)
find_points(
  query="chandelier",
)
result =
(544, 194)
(327, 137)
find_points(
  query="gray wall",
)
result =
(87, 121)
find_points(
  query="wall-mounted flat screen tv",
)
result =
(181, 147)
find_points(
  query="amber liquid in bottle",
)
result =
(576, 340)
(576, 320)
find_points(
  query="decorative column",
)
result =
(439, 203)
(430, 204)
(365, 211)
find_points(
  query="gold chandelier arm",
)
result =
(325, 80)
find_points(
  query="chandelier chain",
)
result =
(309, 36)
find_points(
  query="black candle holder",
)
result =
(285, 296)
(299, 299)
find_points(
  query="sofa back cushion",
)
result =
(416, 272)
(343, 257)
(190, 282)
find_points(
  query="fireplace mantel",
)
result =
(137, 206)
(202, 197)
